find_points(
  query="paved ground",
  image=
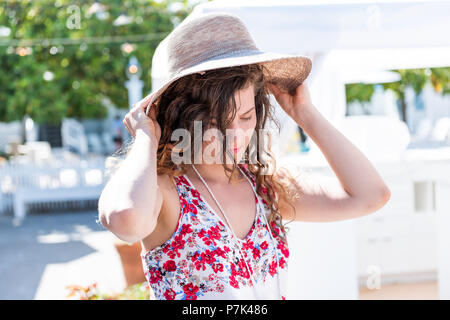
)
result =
(408, 291)
(39, 258)
(51, 250)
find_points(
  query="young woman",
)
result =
(215, 230)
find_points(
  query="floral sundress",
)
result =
(202, 261)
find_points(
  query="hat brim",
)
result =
(284, 70)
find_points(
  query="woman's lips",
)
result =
(236, 150)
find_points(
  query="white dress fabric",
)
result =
(202, 260)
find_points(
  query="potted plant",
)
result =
(130, 255)
(139, 291)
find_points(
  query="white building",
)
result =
(349, 41)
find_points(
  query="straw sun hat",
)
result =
(218, 40)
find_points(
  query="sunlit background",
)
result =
(71, 70)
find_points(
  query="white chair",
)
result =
(38, 151)
(423, 129)
(53, 183)
(441, 130)
(94, 143)
(73, 137)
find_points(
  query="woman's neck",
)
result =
(211, 173)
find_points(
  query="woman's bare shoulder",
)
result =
(168, 214)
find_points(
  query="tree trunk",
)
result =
(403, 108)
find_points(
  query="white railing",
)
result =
(73, 136)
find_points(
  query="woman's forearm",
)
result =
(126, 205)
(356, 174)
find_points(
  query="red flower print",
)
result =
(245, 272)
(210, 236)
(222, 226)
(214, 233)
(202, 235)
(282, 263)
(183, 202)
(208, 257)
(169, 294)
(275, 229)
(191, 291)
(284, 250)
(219, 252)
(248, 245)
(182, 179)
(172, 254)
(217, 267)
(195, 256)
(220, 288)
(256, 253)
(195, 193)
(170, 266)
(233, 282)
(185, 229)
(195, 221)
(191, 208)
(155, 276)
(264, 245)
(233, 271)
(178, 242)
(200, 265)
(191, 241)
(273, 268)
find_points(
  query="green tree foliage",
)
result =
(414, 78)
(76, 59)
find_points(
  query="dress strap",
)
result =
(248, 174)
(181, 183)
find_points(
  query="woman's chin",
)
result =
(238, 157)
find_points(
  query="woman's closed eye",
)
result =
(247, 119)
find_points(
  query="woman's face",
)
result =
(240, 130)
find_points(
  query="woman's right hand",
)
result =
(136, 119)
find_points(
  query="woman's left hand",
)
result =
(292, 104)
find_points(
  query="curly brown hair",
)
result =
(210, 96)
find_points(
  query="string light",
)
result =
(87, 40)
(127, 47)
(22, 51)
(24, 46)
(133, 69)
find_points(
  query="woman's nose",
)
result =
(234, 137)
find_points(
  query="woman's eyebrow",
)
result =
(248, 111)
